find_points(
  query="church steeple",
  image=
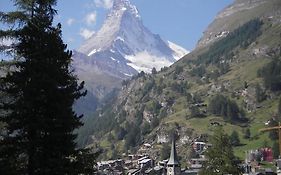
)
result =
(173, 155)
(173, 165)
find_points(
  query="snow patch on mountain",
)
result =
(94, 51)
(145, 61)
(179, 51)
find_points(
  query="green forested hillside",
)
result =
(234, 82)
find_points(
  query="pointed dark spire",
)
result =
(173, 156)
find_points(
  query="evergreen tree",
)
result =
(247, 134)
(220, 157)
(260, 93)
(275, 150)
(271, 75)
(194, 111)
(279, 109)
(165, 151)
(39, 118)
(234, 138)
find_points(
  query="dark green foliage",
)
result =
(188, 97)
(223, 68)
(195, 112)
(222, 49)
(275, 150)
(271, 74)
(196, 98)
(179, 87)
(102, 124)
(234, 138)
(40, 121)
(84, 162)
(163, 113)
(198, 71)
(153, 106)
(120, 132)
(279, 109)
(148, 86)
(246, 84)
(214, 74)
(247, 134)
(133, 138)
(155, 122)
(192, 153)
(139, 117)
(222, 106)
(273, 134)
(178, 70)
(260, 93)
(145, 128)
(170, 101)
(220, 157)
(165, 151)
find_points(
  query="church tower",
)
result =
(173, 165)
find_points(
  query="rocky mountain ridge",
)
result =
(237, 14)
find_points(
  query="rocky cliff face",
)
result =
(236, 15)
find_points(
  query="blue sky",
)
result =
(180, 21)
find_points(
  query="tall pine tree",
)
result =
(220, 157)
(39, 120)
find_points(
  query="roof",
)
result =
(173, 156)
(144, 161)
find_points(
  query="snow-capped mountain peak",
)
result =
(127, 46)
(124, 5)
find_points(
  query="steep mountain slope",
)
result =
(237, 14)
(123, 40)
(120, 49)
(226, 82)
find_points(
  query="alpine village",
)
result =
(128, 102)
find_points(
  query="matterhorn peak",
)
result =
(124, 5)
(118, 3)
(127, 45)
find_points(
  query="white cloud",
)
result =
(107, 4)
(70, 21)
(91, 18)
(86, 33)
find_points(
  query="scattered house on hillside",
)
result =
(134, 172)
(146, 163)
(264, 154)
(200, 147)
(196, 163)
